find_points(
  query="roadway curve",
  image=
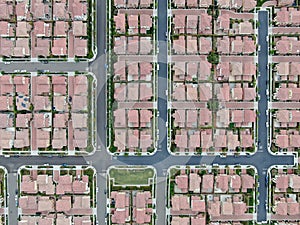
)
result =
(162, 160)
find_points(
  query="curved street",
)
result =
(162, 160)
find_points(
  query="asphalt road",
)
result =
(13, 186)
(98, 67)
(101, 160)
(262, 106)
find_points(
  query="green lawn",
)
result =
(260, 3)
(131, 176)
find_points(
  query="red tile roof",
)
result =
(120, 22)
(207, 183)
(60, 28)
(182, 183)
(59, 47)
(222, 182)
(282, 182)
(79, 28)
(180, 202)
(197, 204)
(194, 182)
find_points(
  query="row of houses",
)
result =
(240, 118)
(44, 47)
(206, 140)
(133, 45)
(192, 45)
(287, 92)
(124, 212)
(287, 45)
(287, 139)
(132, 140)
(235, 92)
(135, 91)
(26, 124)
(35, 32)
(191, 3)
(285, 78)
(128, 4)
(43, 10)
(221, 195)
(284, 188)
(200, 23)
(191, 70)
(234, 4)
(192, 24)
(223, 182)
(36, 90)
(192, 118)
(133, 24)
(52, 196)
(129, 201)
(236, 71)
(192, 92)
(58, 219)
(133, 83)
(132, 118)
(287, 16)
(232, 53)
(224, 26)
(38, 29)
(39, 133)
(287, 71)
(203, 92)
(236, 45)
(132, 71)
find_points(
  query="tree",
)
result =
(213, 57)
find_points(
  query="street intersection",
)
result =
(162, 160)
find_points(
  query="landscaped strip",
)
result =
(4, 197)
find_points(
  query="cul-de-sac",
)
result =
(149, 112)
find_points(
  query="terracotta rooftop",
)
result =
(207, 183)
(182, 183)
(22, 120)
